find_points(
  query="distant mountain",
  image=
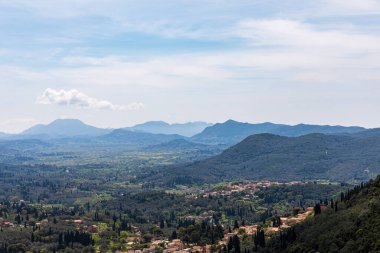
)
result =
(161, 127)
(127, 137)
(116, 140)
(232, 132)
(62, 128)
(273, 157)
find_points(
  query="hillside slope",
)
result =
(272, 157)
(353, 227)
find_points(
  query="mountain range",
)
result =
(222, 133)
(63, 128)
(232, 132)
(155, 133)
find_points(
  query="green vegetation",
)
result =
(86, 210)
(270, 157)
(350, 224)
(104, 195)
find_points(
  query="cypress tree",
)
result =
(236, 244)
(317, 209)
(236, 224)
(174, 235)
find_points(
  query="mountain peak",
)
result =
(153, 124)
(64, 128)
(231, 121)
(161, 127)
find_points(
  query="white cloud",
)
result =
(87, 60)
(276, 49)
(351, 7)
(291, 33)
(242, 47)
(79, 99)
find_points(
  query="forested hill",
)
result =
(273, 157)
(352, 226)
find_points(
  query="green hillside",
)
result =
(353, 227)
(272, 157)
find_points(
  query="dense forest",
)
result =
(271, 157)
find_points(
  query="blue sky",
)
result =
(116, 63)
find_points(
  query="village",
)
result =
(249, 188)
(134, 242)
(177, 246)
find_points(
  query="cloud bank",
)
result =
(79, 99)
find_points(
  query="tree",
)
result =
(174, 235)
(236, 243)
(317, 209)
(230, 245)
(277, 221)
(236, 225)
(162, 224)
(261, 238)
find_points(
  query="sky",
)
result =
(115, 63)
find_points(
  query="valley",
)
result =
(127, 191)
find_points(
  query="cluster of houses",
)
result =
(6, 224)
(207, 215)
(287, 222)
(80, 224)
(177, 246)
(249, 188)
(173, 246)
(249, 230)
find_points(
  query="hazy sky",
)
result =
(114, 63)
